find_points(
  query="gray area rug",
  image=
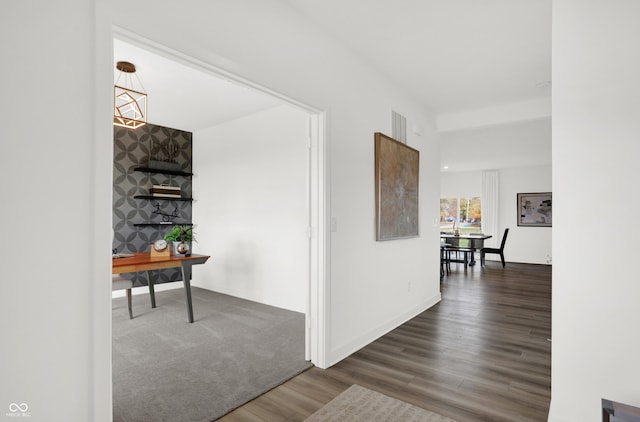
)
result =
(359, 404)
(165, 369)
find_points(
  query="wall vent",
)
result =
(398, 127)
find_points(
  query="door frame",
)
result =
(316, 314)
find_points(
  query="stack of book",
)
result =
(165, 191)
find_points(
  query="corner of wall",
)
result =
(342, 352)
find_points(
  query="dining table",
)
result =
(475, 242)
(144, 261)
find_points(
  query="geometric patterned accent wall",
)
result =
(133, 148)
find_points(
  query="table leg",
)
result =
(475, 244)
(152, 292)
(186, 278)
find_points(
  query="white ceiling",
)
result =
(182, 97)
(451, 55)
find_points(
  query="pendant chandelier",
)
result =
(130, 104)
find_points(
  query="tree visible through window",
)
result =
(466, 213)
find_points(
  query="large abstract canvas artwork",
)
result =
(396, 179)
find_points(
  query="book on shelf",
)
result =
(166, 187)
(168, 190)
(166, 195)
(165, 192)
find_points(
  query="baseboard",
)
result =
(144, 290)
(336, 355)
(515, 262)
(554, 417)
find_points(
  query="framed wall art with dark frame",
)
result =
(535, 209)
(396, 182)
(619, 412)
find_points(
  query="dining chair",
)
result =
(459, 250)
(445, 256)
(121, 283)
(499, 251)
(451, 253)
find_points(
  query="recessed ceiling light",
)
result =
(445, 167)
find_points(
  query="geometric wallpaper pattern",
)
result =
(133, 148)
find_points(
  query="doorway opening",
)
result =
(309, 299)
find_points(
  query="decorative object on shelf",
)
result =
(160, 248)
(534, 209)
(181, 237)
(163, 154)
(130, 104)
(165, 216)
(396, 186)
(170, 172)
(163, 165)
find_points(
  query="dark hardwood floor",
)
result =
(481, 354)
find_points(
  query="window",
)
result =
(466, 213)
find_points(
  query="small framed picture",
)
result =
(534, 209)
(619, 412)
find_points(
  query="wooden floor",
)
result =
(481, 354)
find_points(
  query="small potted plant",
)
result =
(181, 238)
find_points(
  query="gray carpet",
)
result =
(359, 404)
(165, 369)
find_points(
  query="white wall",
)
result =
(55, 348)
(372, 286)
(524, 244)
(461, 184)
(596, 104)
(59, 355)
(518, 144)
(251, 209)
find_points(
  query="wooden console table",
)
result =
(143, 261)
